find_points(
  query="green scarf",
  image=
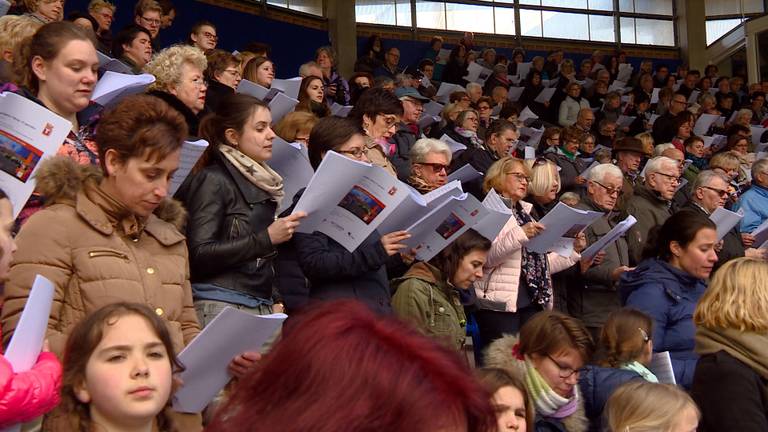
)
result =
(548, 403)
(640, 369)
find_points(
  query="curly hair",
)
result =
(166, 65)
(14, 29)
(218, 62)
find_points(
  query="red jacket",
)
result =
(27, 395)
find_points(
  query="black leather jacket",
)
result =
(227, 230)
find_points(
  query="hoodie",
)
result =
(669, 295)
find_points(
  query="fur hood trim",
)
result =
(59, 179)
(499, 355)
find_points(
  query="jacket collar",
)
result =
(191, 118)
(650, 195)
(252, 193)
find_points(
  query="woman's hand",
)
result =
(243, 363)
(282, 229)
(618, 271)
(532, 229)
(391, 242)
(330, 90)
(747, 239)
(585, 264)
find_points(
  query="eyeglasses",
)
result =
(154, 21)
(483, 108)
(565, 371)
(520, 176)
(389, 120)
(680, 102)
(672, 178)
(355, 153)
(210, 36)
(609, 190)
(233, 72)
(436, 167)
(723, 193)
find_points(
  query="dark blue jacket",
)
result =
(334, 272)
(597, 384)
(669, 296)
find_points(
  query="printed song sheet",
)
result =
(561, 225)
(498, 214)
(190, 154)
(291, 161)
(612, 235)
(725, 220)
(113, 87)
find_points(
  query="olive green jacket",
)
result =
(424, 298)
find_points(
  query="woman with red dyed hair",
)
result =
(339, 366)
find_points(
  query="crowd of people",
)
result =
(487, 335)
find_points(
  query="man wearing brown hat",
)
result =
(628, 153)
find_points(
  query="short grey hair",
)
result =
(598, 173)
(486, 51)
(472, 85)
(424, 146)
(744, 111)
(655, 165)
(659, 149)
(705, 179)
(759, 167)
(304, 69)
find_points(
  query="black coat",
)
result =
(335, 273)
(480, 159)
(569, 170)
(215, 94)
(664, 129)
(730, 394)
(404, 139)
(227, 230)
(192, 119)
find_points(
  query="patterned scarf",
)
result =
(466, 133)
(534, 266)
(258, 173)
(548, 403)
(640, 369)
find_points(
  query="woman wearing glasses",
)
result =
(465, 130)
(667, 284)
(332, 271)
(180, 81)
(430, 162)
(223, 75)
(566, 157)
(548, 357)
(517, 282)
(378, 113)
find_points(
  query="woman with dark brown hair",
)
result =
(311, 97)
(514, 409)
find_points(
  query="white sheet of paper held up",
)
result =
(725, 220)
(661, 366)
(190, 154)
(465, 174)
(27, 340)
(452, 143)
(280, 105)
(561, 222)
(545, 95)
(253, 89)
(291, 161)
(113, 86)
(610, 237)
(206, 358)
(288, 86)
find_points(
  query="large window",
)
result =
(725, 15)
(314, 7)
(643, 22)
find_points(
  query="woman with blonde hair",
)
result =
(544, 186)
(45, 11)
(732, 339)
(641, 406)
(180, 81)
(296, 126)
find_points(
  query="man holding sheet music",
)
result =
(754, 202)
(597, 297)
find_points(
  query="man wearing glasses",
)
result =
(408, 131)
(147, 14)
(203, 36)
(628, 153)
(593, 301)
(754, 202)
(664, 128)
(650, 204)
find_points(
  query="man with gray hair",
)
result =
(597, 297)
(708, 192)
(754, 202)
(310, 68)
(430, 162)
(650, 203)
(475, 92)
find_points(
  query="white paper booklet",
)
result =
(443, 56)
(527, 114)
(28, 134)
(27, 341)
(725, 220)
(113, 86)
(452, 144)
(347, 199)
(514, 93)
(612, 235)
(416, 206)
(288, 86)
(523, 69)
(253, 89)
(655, 95)
(340, 110)
(617, 86)
(625, 121)
(427, 120)
(280, 105)
(561, 225)
(498, 214)
(291, 161)
(694, 97)
(446, 223)
(545, 95)
(444, 92)
(206, 358)
(433, 108)
(761, 233)
(190, 154)
(475, 73)
(715, 141)
(465, 174)
(107, 63)
(757, 134)
(661, 366)
(704, 122)
(531, 137)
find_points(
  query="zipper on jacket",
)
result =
(107, 253)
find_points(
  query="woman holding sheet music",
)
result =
(517, 282)
(332, 271)
(232, 232)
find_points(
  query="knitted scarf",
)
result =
(258, 173)
(748, 347)
(466, 133)
(548, 403)
(640, 369)
(534, 266)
